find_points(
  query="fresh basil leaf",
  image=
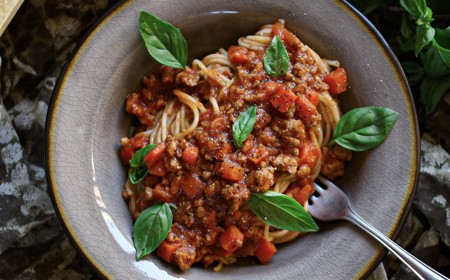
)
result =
(424, 35)
(363, 128)
(243, 125)
(432, 90)
(414, 7)
(276, 60)
(151, 228)
(281, 211)
(414, 72)
(164, 42)
(138, 158)
(433, 63)
(425, 18)
(442, 43)
(137, 174)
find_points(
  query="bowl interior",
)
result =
(87, 120)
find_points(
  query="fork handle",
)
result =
(422, 270)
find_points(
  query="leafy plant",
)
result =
(138, 166)
(243, 125)
(276, 60)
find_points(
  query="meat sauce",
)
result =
(206, 176)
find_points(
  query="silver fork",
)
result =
(329, 203)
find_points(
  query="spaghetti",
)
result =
(189, 113)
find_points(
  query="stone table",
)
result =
(33, 245)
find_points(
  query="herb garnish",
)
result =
(243, 125)
(276, 60)
(138, 166)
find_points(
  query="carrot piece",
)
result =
(155, 155)
(158, 169)
(231, 239)
(238, 54)
(309, 153)
(313, 96)
(303, 194)
(224, 150)
(190, 154)
(161, 194)
(231, 171)
(192, 185)
(278, 28)
(305, 109)
(265, 250)
(258, 155)
(282, 99)
(166, 249)
(337, 80)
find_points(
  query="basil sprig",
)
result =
(164, 42)
(138, 166)
(363, 128)
(151, 228)
(281, 211)
(243, 125)
(276, 60)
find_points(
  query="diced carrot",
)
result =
(278, 28)
(282, 99)
(337, 80)
(238, 54)
(158, 169)
(190, 154)
(305, 109)
(309, 153)
(248, 145)
(155, 155)
(258, 155)
(224, 149)
(231, 171)
(166, 249)
(192, 185)
(265, 250)
(219, 125)
(231, 239)
(289, 39)
(161, 194)
(313, 96)
(303, 193)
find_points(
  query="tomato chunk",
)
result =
(190, 154)
(303, 194)
(231, 239)
(158, 169)
(265, 250)
(231, 171)
(282, 99)
(166, 249)
(337, 80)
(309, 153)
(305, 109)
(192, 185)
(238, 54)
(313, 96)
(155, 155)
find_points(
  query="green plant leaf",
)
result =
(164, 42)
(281, 211)
(407, 27)
(414, 7)
(414, 72)
(424, 35)
(433, 63)
(442, 44)
(425, 18)
(432, 90)
(151, 228)
(243, 125)
(276, 60)
(363, 128)
(139, 168)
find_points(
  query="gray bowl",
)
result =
(87, 119)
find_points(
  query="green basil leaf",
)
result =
(276, 60)
(424, 35)
(433, 63)
(442, 44)
(432, 90)
(151, 228)
(137, 174)
(138, 158)
(426, 17)
(414, 7)
(164, 42)
(363, 128)
(243, 125)
(281, 211)
(414, 72)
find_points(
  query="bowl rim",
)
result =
(362, 21)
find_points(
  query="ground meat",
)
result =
(188, 77)
(285, 163)
(333, 161)
(184, 256)
(264, 179)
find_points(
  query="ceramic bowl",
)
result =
(87, 119)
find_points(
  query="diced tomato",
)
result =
(166, 249)
(224, 149)
(337, 80)
(126, 153)
(192, 185)
(303, 194)
(231, 171)
(231, 239)
(248, 145)
(219, 125)
(258, 155)
(190, 154)
(309, 153)
(305, 109)
(278, 28)
(155, 155)
(238, 54)
(158, 169)
(282, 99)
(289, 39)
(160, 193)
(269, 87)
(313, 96)
(265, 250)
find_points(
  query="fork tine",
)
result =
(327, 183)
